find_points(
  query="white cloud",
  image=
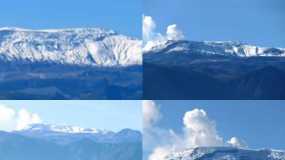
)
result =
(151, 38)
(148, 28)
(159, 153)
(200, 130)
(26, 118)
(6, 113)
(235, 142)
(10, 119)
(173, 33)
(155, 136)
(150, 113)
(7, 118)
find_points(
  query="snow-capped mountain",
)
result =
(60, 129)
(226, 153)
(67, 134)
(227, 70)
(79, 46)
(52, 142)
(224, 48)
(80, 63)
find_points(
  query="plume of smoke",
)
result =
(154, 136)
(173, 33)
(152, 38)
(25, 118)
(199, 130)
(148, 28)
(160, 153)
(151, 113)
(235, 142)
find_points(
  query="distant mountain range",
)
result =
(226, 153)
(213, 70)
(48, 142)
(80, 63)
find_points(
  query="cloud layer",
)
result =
(10, 119)
(199, 130)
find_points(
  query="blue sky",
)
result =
(110, 115)
(260, 22)
(123, 16)
(259, 123)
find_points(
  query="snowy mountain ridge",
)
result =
(63, 134)
(75, 46)
(226, 153)
(61, 129)
(52, 142)
(224, 48)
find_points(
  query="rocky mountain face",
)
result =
(213, 70)
(81, 46)
(226, 153)
(81, 63)
(223, 48)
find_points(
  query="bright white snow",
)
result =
(80, 46)
(226, 48)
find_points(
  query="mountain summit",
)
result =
(59, 129)
(76, 63)
(223, 48)
(46, 142)
(226, 153)
(79, 46)
(213, 70)
(63, 134)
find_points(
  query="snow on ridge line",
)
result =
(198, 152)
(69, 129)
(231, 48)
(55, 30)
(81, 46)
(61, 129)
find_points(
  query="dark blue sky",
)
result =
(260, 22)
(259, 123)
(123, 16)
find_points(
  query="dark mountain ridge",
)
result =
(188, 73)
